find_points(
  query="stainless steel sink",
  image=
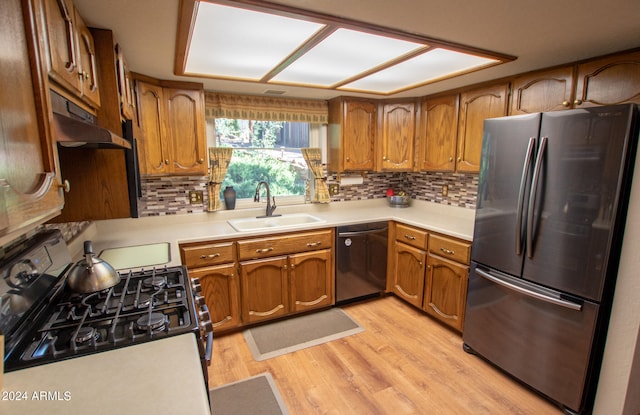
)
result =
(273, 222)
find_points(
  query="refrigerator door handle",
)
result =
(537, 295)
(532, 195)
(521, 193)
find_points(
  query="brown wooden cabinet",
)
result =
(173, 129)
(71, 53)
(214, 265)
(398, 137)
(265, 293)
(352, 135)
(609, 80)
(436, 138)
(445, 291)
(548, 90)
(408, 263)
(126, 91)
(311, 280)
(29, 192)
(475, 106)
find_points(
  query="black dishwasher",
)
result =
(361, 261)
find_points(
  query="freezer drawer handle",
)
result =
(524, 291)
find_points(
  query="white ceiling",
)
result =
(539, 33)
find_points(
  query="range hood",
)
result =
(75, 127)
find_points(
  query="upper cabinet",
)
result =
(70, 51)
(126, 90)
(352, 135)
(549, 90)
(607, 81)
(29, 183)
(398, 135)
(437, 132)
(173, 129)
(475, 106)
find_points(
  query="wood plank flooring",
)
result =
(403, 363)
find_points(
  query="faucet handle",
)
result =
(273, 204)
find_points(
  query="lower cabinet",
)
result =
(249, 280)
(431, 271)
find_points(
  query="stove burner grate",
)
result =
(154, 322)
(86, 335)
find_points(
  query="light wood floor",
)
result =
(403, 363)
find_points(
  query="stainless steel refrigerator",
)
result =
(551, 209)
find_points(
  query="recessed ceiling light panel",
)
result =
(430, 66)
(239, 43)
(343, 55)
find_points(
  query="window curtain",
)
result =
(249, 107)
(313, 157)
(219, 159)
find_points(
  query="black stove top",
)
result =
(58, 323)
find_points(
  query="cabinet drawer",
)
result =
(411, 236)
(286, 244)
(450, 248)
(197, 256)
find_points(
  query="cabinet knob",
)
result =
(384, 158)
(565, 103)
(459, 159)
(450, 158)
(66, 186)
(200, 161)
(577, 102)
(166, 161)
(348, 158)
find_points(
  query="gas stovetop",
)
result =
(58, 324)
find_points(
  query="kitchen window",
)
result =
(267, 151)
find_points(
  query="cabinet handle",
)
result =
(565, 103)
(292, 266)
(66, 186)
(447, 251)
(420, 262)
(200, 161)
(410, 237)
(577, 102)
(166, 161)
(210, 256)
(459, 159)
(384, 158)
(311, 244)
(450, 158)
(263, 250)
(348, 158)
(284, 267)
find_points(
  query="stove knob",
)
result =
(206, 326)
(204, 316)
(195, 284)
(200, 301)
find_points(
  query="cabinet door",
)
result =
(125, 85)
(398, 134)
(543, 91)
(63, 62)
(311, 279)
(359, 135)
(220, 290)
(154, 157)
(264, 289)
(185, 131)
(476, 106)
(28, 178)
(409, 267)
(445, 293)
(88, 65)
(613, 80)
(438, 134)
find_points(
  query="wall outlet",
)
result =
(334, 189)
(195, 197)
(445, 190)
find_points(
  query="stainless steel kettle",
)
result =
(91, 274)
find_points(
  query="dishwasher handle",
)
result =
(359, 233)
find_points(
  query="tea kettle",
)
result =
(91, 274)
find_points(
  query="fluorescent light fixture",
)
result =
(433, 65)
(342, 55)
(280, 45)
(239, 43)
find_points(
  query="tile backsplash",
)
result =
(170, 195)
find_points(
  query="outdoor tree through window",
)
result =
(264, 151)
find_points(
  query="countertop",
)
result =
(453, 221)
(128, 380)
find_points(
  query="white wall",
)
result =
(615, 393)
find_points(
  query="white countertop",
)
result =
(124, 381)
(453, 221)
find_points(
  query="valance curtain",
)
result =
(219, 159)
(313, 157)
(250, 107)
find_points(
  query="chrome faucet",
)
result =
(270, 207)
